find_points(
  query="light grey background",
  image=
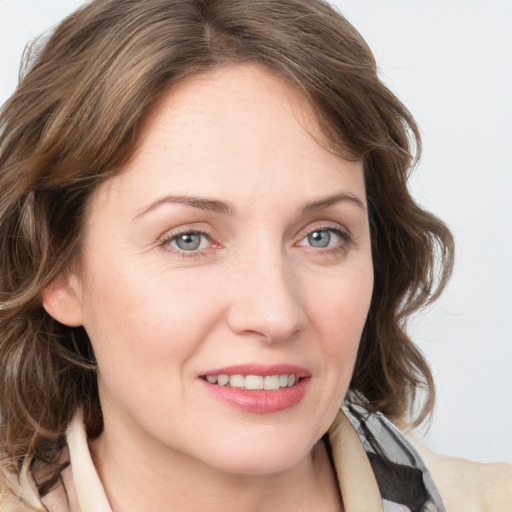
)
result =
(450, 61)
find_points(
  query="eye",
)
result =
(320, 238)
(324, 238)
(191, 241)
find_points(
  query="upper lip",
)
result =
(259, 369)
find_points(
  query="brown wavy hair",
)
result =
(74, 120)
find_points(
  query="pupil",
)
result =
(319, 238)
(188, 241)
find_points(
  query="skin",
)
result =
(255, 291)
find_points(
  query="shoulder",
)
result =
(467, 485)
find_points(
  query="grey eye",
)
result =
(320, 238)
(189, 241)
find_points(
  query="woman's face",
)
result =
(231, 246)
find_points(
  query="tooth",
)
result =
(253, 382)
(222, 380)
(237, 381)
(283, 381)
(271, 382)
(291, 380)
(212, 379)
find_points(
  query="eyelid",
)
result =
(175, 241)
(325, 226)
(346, 239)
(183, 230)
(169, 236)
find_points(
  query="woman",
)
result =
(207, 246)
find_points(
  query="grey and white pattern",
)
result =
(404, 482)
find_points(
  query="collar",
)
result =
(85, 492)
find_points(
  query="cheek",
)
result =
(340, 318)
(338, 311)
(138, 317)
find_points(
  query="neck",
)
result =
(141, 476)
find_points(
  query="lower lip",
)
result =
(259, 401)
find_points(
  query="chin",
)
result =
(257, 452)
(255, 462)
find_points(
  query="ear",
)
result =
(62, 300)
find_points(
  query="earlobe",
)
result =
(62, 300)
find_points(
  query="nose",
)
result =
(266, 299)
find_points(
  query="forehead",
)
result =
(246, 96)
(238, 131)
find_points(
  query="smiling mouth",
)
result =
(254, 382)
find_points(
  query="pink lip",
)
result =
(259, 401)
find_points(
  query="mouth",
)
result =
(257, 388)
(254, 382)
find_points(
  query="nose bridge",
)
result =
(267, 299)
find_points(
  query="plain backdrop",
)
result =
(450, 62)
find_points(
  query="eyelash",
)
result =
(165, 243)
(340, 232)
(343, 234)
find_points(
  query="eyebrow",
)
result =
(227, 208)
(331, 200)
(202, 203)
